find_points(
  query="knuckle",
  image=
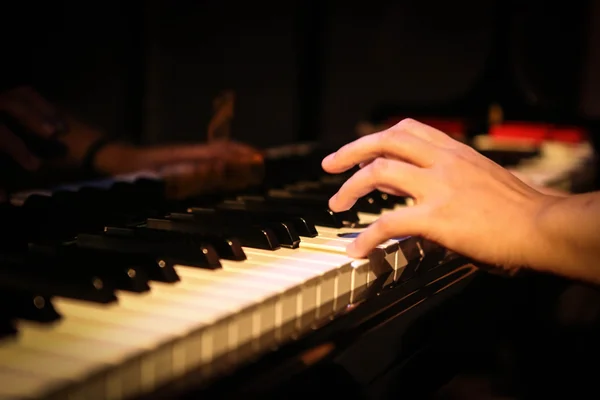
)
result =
(449, 159)
(407, 123)
(386, 137)
(379, 168)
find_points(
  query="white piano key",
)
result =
(153, 370)
(20, 385)
(396, 252)
(114, 314)
(329, 267)
(56, 366)
(220, 316)
(163, 327)
(286, 305)
(290, 277)
(264, 298)
(33, 337)
(95, 330)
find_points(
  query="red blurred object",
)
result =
(568, 134)
(538, 132)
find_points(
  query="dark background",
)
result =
(302, 69)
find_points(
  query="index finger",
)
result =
(390, 143)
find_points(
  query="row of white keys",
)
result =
(107, 335)
(226, 302)
(112, 333)
(102, 323)
(304, 281)
(333, 274)
(142, 322)
(70, 350)
(20, 385)
(394, 254)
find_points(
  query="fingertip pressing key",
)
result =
(332, 202)
(353, 251)
(339, 204)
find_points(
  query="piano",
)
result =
(111, 290)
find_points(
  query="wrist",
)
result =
(550, 250)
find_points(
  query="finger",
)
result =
(29, 117)
(29, 95)
(175, 153)
(16, 149)
(383, 174)
(389, 143)
(232, 148)
(200, 153)
(409, 221)
(44, 107)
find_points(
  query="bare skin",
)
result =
(206, 164)
(467, 203)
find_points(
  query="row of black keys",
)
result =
(93, 265)
(67, 213)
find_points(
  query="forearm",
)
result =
(566, 240)
(113, 158)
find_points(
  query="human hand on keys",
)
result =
(462, 200)
(36, 117)
(205, 168)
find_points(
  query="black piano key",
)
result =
(162, 247)
(395, 200)
(151, 267)
(152, 192)
(103, 207)
(139, 199)
(317, 213)
(249, 236)
(370, 203)
(69, 256)
(39, 216)
(228, 248)
(16, 229)
(367, 204)
(302, 225)
(33, 274)
(155, 269)
(284, 230)
(30, 306)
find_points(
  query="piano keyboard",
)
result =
(555, 167)
(118, 310)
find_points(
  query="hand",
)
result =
(225, 151)
(463, 201)
(188, 169)
(35, 114)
